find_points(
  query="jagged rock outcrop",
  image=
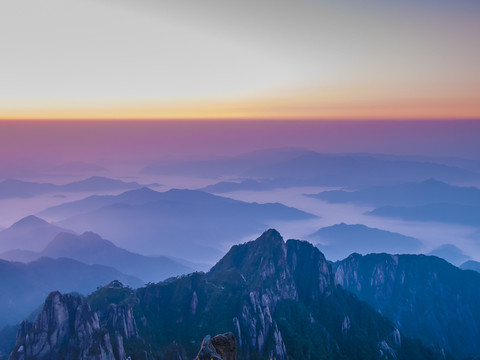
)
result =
(277, 298)
(67, 328)
(220, 347)
(425, 296)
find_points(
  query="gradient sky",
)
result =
(239, 59)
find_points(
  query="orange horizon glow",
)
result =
(274, 109)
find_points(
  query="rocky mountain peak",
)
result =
(261, 262)
(271, 236)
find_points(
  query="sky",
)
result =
(212, 59)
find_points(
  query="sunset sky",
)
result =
(212, 59)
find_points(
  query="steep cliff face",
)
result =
(278, 299)
(424, 296)
(67, 328)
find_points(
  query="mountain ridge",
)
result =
(418, 293)
(405, 194)
(24, 286)
(13, 188)
(340, 240)
(278, 298)
(175, 220)
(29, 233)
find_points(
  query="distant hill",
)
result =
(451, 253)
(20, 255)
(190, 224)
(22, 189)
(135, 197)
(408, 194)
(229, 186)
(30, 233)
(471, 265)
(340, 240)
(356, 170)
(445, 213)
(24, 286)
(90, 248)
(253, 185)
(222, 166)
(311, 168)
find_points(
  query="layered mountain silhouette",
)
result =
(194, 223)
(340, 240)
(451, 253)
(90, 248)
(277, 298)
(229, 186)
(408, 194)
(23, 287)
(135, 197)
(425, 296)
(222, 166)
(254, 185)
(30, 233)
(320, 169)
(441, 212)
(12, 188)
(471, 265)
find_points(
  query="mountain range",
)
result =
(278, 298)
(23, 287)
(312, 168)
(223, 166)
(30, 233)
(471, 265)
(451, 253)
(254, 185)
(406, 194)
(229, 186)
(340, 240)
(172, 222)
(90, 248)
(439, 212)
(12, 188)
(425, 297)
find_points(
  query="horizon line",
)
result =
(245, 119)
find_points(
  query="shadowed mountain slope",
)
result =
(425, 296)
